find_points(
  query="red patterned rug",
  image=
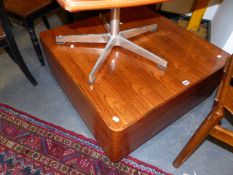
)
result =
(30, 146)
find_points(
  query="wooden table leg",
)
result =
(202, 132)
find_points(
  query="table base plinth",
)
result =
(131, 100)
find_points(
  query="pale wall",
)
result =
(222, 26)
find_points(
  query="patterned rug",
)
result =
(30, 146)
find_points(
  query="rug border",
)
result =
(79, 135)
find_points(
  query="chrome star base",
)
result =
(114, 37)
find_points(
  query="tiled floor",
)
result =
(48, 102)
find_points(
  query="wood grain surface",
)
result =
(78, 5)
(144, 98)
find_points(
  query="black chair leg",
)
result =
(12, 47)
(18, 59)
(30, 28)
(10, 54)
(46, 22)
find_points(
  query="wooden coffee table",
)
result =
(132, 100)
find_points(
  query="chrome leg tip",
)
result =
(58, 39)
(91, 80)
(154, 29)
(161, 67)
(58, 42)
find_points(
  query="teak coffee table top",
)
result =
(128, 86)
(78, 5)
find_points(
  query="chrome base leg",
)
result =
(115, 38)
(138, 31)
(142, 52)
(88, 38)
(101, 59)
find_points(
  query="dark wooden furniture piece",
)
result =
(132, 100)
(27, 11)
(7, 41)
(211, 126)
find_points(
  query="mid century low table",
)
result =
(132, 100)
